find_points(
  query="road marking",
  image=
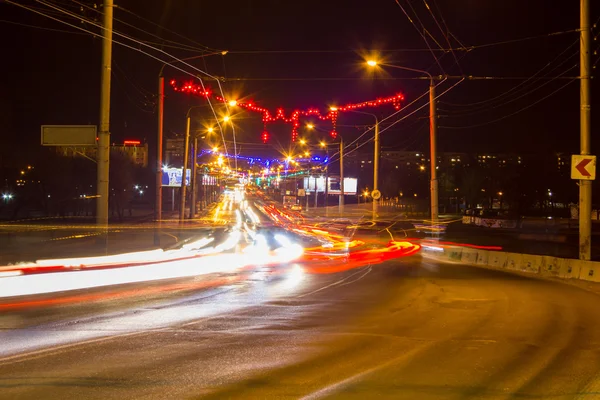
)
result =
(330, 389)
(330, 285)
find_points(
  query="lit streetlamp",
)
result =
(376, 151)
(432, 134)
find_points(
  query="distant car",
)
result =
(293, 207)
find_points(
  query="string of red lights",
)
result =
(294, 116)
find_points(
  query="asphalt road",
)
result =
(408, 329)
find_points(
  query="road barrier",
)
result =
(564, 268)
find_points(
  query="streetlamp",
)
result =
(159, 144)
(375, 158)
(194, 178)
(186, 147)
(432, 135)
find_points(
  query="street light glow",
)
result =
(210, 130)
(226, 118)
(333, 108)
(372, 63)
(215, 149)
(302, 141)
(233, 103)
(310, 126)
(323, 144)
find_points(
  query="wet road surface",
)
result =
(411, 328)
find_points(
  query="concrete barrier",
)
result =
(453, 253)
(551, 266)
(513, 261)
(469, 256)
(482, 257)
(564, 268)
(497, 259)
(590, 271)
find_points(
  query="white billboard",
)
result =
(350, 185)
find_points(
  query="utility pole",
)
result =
(341, 175)
(326, 200)
(433, 154)
(316, 194)
(104, 132)
(186, 146)
(194, 179)
(585, 186)
(159, 160)
(376, 168)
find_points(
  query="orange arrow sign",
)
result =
(581, 167)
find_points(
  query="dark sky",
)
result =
(52, 77)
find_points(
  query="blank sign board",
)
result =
(68, 135)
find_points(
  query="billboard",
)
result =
(69, 135)
(171, 177)
(350, 185)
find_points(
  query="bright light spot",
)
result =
(310, 126)
(215, 149)
(210, 130)
(226, 118)
(282, 240)
(323, 144)
(371, 63)
(333, 108)
(232, 103)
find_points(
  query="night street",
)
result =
(410, 328)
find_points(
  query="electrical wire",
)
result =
(444, 34)
(172, 44)
(520, 85)
(129, 46)
(408, 115)
(509, 115)
(422, 35)
(43, 28)
(511, 100)
(206, 48)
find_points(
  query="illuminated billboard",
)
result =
(171, 177)
(350, 185)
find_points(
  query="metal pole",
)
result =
(585, 186)
(376, 167)
(433, 154)
(159, 160)
(341, 175)
(194, 180)
(104, 133)
(316, 194)
(186, 146)
(327, 181)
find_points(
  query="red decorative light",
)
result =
(265, 136)
(294, 117)
(132, 142)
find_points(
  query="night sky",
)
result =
(53, 77)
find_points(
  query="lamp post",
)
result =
(432, 136)
(159, 147)
(194, 182)
(186, 147)
(375, 159)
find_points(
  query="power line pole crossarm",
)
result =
(104, 131)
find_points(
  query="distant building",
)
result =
(132, 149)
(174, 152)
